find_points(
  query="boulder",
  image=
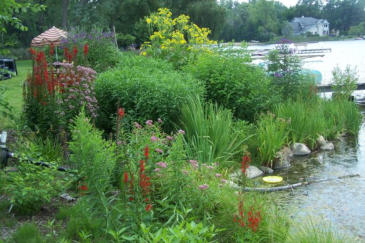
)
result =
(300, 149)
(236, 176)
(266, 170)
(324, 144)
(321, 141)
(328, 146)
(283, 158)
(253, 172)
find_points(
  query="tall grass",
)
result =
(209, 132)
(271, 136)
(315, 117)
(311, 232)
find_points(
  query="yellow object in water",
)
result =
(272, 179)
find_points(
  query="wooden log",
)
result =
(292, 186)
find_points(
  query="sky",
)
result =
(287, 3)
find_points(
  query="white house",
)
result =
(303, 25)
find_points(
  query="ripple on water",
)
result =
(339, 202)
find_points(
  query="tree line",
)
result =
(229, 20)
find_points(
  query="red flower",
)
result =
(125, 178)
(130, 198)
(69, 58)
(146, 152)
(245, 163)
(74, 51)
(141, 166)
(32, 51)
(86, 49)
(148, 207)
(121, 113)
(66, 53)
(84, 188)
(51, 49)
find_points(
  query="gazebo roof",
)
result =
(53, 35)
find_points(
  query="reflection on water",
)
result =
(340, 202)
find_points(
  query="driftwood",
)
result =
(291, 186)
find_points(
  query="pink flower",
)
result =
(181, 132)
(224, 181)
(157, 170)
(169, 138)
(210, 167)
(153, 138)
(218, 175)
(159, 120)
(203, 187)
(159, 150)
(149, 122)
(162, 164)
(194, 163)
(137, 125)
(185, 172)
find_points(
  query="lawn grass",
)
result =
(14, 89)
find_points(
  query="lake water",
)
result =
(351, 52)
(340, 203)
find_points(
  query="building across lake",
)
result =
(304, 25)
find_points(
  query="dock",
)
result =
(328, 87)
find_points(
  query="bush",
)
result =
(184, 232)
(31, 188)
(91, 155)
(52, 97)
(286, 71)
(102, 52)
(209, 133)
(146, 88)
(229, 82)
(344, 82)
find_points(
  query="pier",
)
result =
(328, 87)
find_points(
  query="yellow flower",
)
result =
(148, 20)
(144, 53)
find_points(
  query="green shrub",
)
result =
(184, 232)
(344, 82)
(31, 188)
(146, 88)
(237, 86)
(102, 52)
(91, 155)
(27, 233)
(209, 133)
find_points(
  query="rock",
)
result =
(67, 197)
(283, 158)
(300, 149)
(328, 146)
(266, 170)
(232, 184)
(253, 172)
(324, 144)
(236, 176)
(321, 141)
